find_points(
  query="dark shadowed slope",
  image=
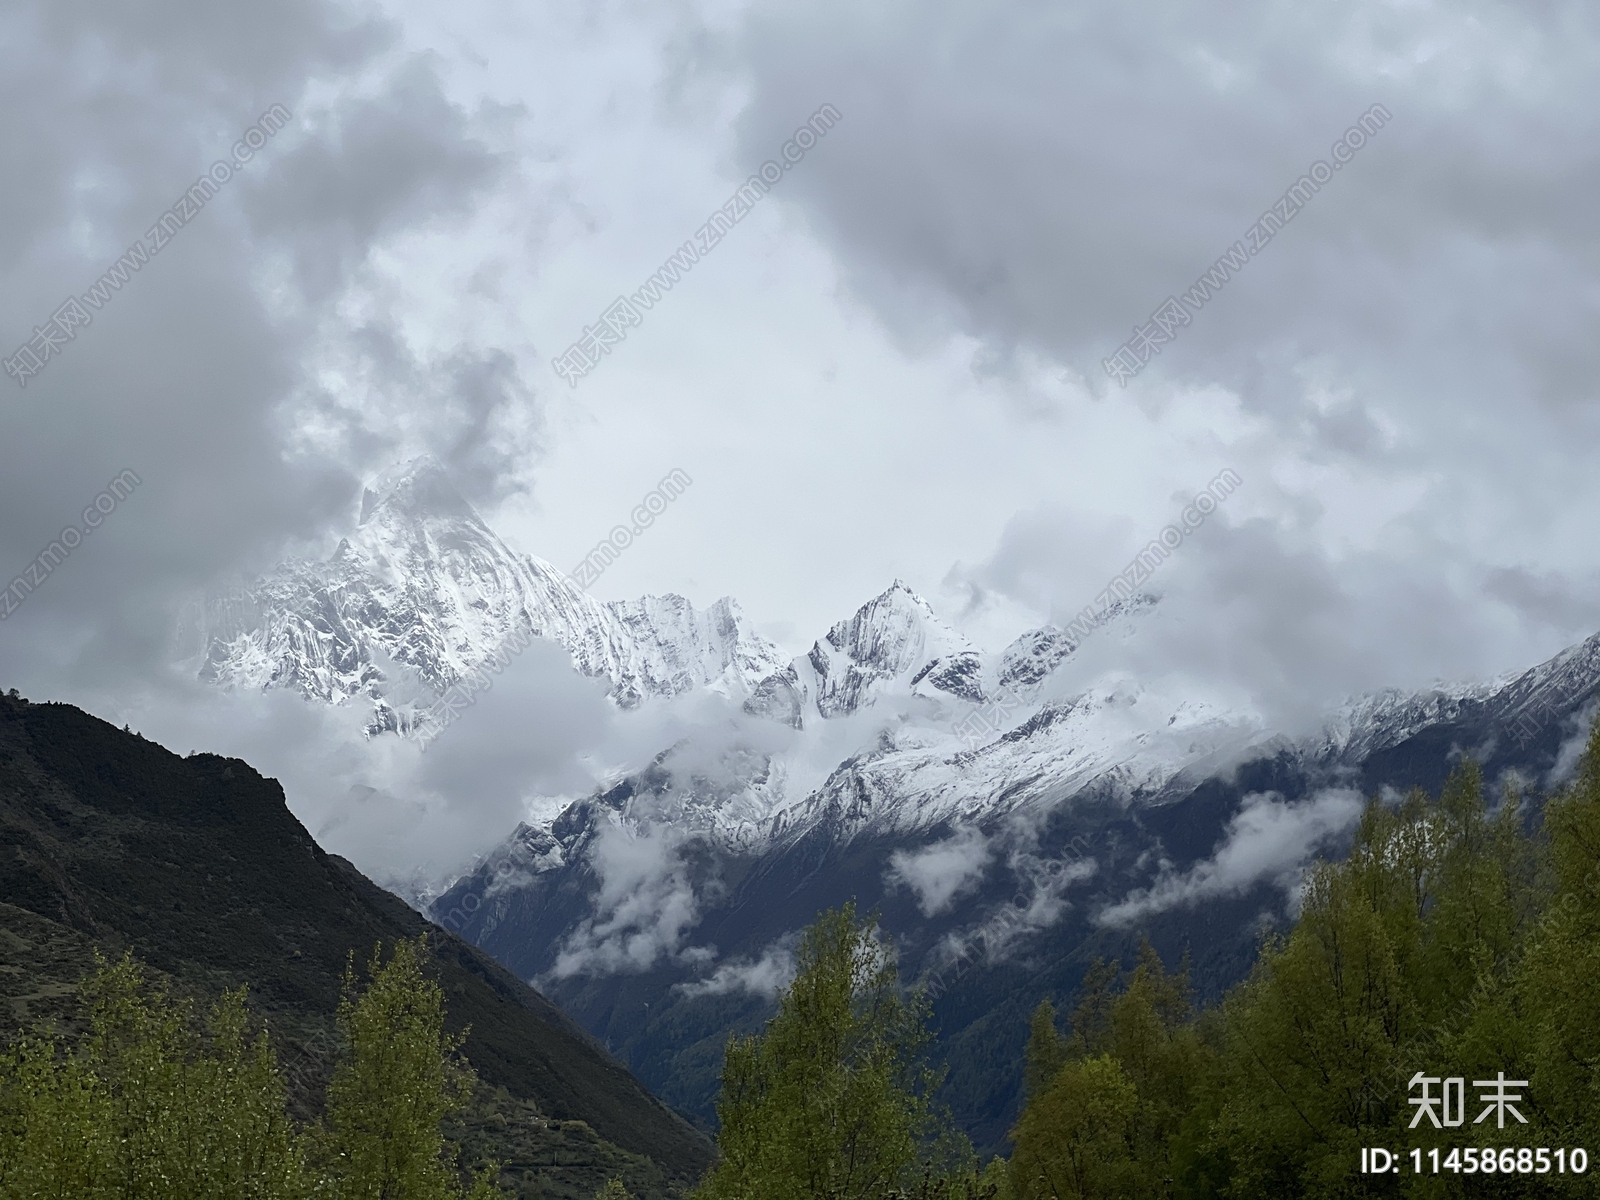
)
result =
(198, 867)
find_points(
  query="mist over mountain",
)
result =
(1011, 813)
(930, 629)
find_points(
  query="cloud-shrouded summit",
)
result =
(891, 368)
(941, 624)
(423, 583)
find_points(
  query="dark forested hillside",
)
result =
(197, 866)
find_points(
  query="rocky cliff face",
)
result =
(893, 643)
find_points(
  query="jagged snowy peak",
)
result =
(892, 642)
(1120, 739)
(424, 582)
(1132, 739)
(1522, 700)
(913, 768)
(676, 648)
(1027, 661)
(781, 696)
(1553, 684)
(1034, 656)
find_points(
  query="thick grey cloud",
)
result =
(1047, 176)
(1406, 373)
(250, 374)
(194, 373)
(1260, 609)
(376, 165)
(897, 352)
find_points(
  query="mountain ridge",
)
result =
(197, 866)
(991, 800)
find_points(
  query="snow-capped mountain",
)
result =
(1003, 801)
(893, 642)
(994, 865)
(423, 583)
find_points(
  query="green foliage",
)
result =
(1391, 969)
(148, 1107)
(1047, 1050)
(832, 1099)
(1076, 1139)
(1550, 1008)
(1112, 1106)
(1449, 941)
(400, 1078)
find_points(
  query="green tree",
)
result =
(1556, 992)
(150, 1107)
(1046, 1052)
(399, 1079)
(1314, 1040)
(1435, 946)
(1165, 1071)
(833, 1099)
(56, 1132)
(1400, 962)
(147, 1107)
(1075, 1141)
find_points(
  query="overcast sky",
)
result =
(890, 368)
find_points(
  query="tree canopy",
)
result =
(834, 1099)
(1453, 942)
(150, 1104)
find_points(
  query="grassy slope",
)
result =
(198, 867)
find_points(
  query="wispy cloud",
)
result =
(1267, 840)
(645, 909)
(940, 873)
(764, 976)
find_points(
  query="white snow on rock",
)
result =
(422, 581)
(871, 729)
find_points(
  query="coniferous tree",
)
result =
(1554, 999)
(1126, 1125)
(1046, 1052)
(1436, 946)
